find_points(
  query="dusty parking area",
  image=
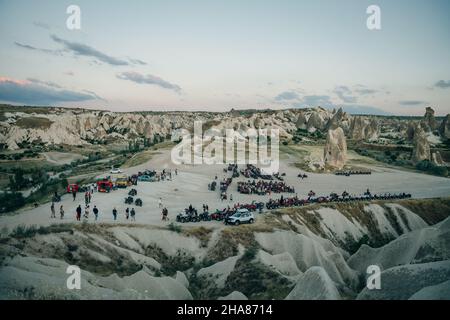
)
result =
(190, 186)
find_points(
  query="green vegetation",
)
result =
(34, 123)
(10, 201)
(430, 167)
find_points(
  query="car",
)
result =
(115, 170)
(241, 216)
(146, 178)
(121, 182)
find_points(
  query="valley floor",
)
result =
(312, 252)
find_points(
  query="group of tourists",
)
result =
(262, 187)
(251, 171)
(53, 212)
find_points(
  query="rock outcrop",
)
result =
(444, 128)
(429, 123)
(436, 158)
(335, 152)
(301, 122)
(362, 128)
(421, 149)
(315, 122)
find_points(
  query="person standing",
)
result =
(160, 203)
(114, 212)
(127, 213)
(86, 212)
(95, 211)
(52, 209)
(78, 216)
(133, 214)
(61, 212)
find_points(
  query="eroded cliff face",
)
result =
(335, 151)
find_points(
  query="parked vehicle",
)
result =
(115, 170)
(241, 216)
(129, 200)
(132, 192)
(121, 181)
(73, 187)
(138, 202)
(104, 185)
(146, 178)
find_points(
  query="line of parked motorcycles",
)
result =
(295, 202)
(191, 214)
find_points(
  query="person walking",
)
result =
(86, 198)
(78, 216)
(95, 211)
(165, 214)
(114, 212)
(61, 212)
(74, 194)
(89, 196)
(86, 212)
(52, 209)
(127, 213)
(133, 214)
(160, 203)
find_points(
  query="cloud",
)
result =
(314, 101)
(42, 25)
(411, 102)
(442, 84)
(365, 91)
(345, 94)
(137, 62)
(37, 93)
(85, 50)
(32, 48)
(81, 49)
(148, 79)
(287, 95)
(46, 83)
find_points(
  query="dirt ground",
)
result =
(190, 186)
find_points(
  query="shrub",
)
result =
(175, 228)
(430, 167)
(10, 201)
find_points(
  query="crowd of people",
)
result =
(261, 187)
(251, 171)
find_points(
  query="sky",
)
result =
(216, 55)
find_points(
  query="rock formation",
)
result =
(335, 152)
(362, 128)
(301, 121)
(429, 123)
(444, 128)
(421, 149)
(315, 122)
(436, 158)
